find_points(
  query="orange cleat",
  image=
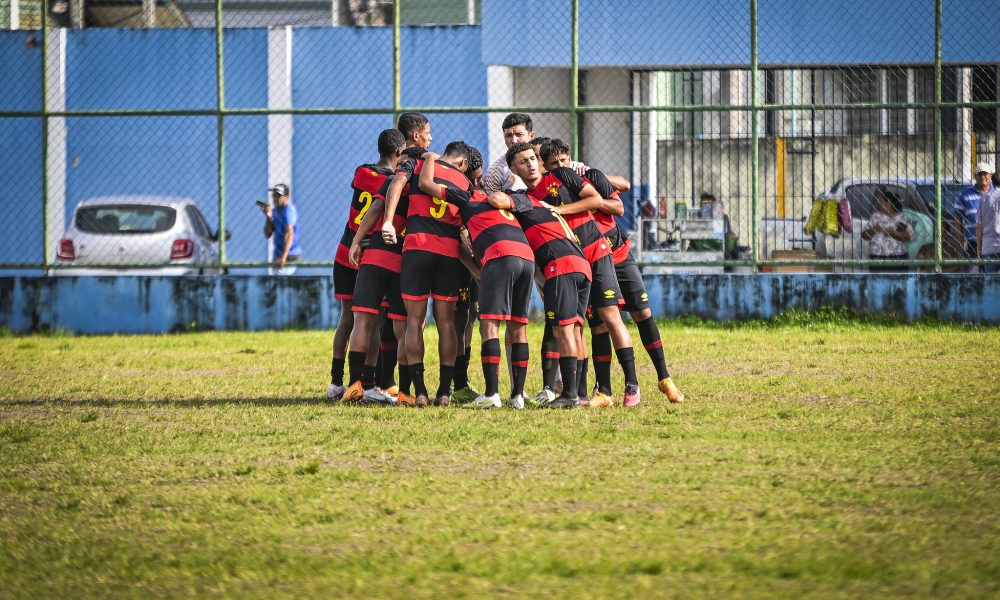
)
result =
(669, 389)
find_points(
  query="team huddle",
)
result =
(425, 226)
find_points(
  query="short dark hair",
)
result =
(515, 119)
(539, 140)
(458, 148)
(415, 152)
(411, 121)
(553, 147)
(892, 198)
(517, 149)
(389, 141)
(475, 161)
(706, 197)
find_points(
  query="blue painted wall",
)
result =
(715, 32)
(165, 304)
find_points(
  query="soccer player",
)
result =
(431, 268)
(574, 197)
(416, 128)
(629, 280)
(367, 184)
(377, 287)
(501, 247)
(467, 307)
(559, 256)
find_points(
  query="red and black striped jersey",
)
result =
(378, 253)
(621, 245)
(557, 251)
(433, 225)
(368, 180)
(563, 186)
(495, 233)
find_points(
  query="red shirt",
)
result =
(433, 225)
(562, 186)
(554, 244)
(367, 184)
(495, 233)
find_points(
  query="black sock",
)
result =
(601, 343)
(490, 357)
(581, 377)
(519, 358)
(649, 333)
(567, 366)
(404, 379)
(368, 377)
(417, 376)
(444, 383)
(462, 370)
(626, 356)
(337, 371)
(386, 369)
(550, 357)
(356, 363)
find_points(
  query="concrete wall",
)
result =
(101, 305)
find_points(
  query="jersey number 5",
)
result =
(437, 211)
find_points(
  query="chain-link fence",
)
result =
(784, 136)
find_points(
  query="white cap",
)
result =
(984, 167)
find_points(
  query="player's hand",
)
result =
(429, 156)
(388, 233)
(354, 254)
(581, 169)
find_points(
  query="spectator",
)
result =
(283, 222)
(967, 205)
(887, 231)
(988, 226)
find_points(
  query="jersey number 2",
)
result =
(365, 197)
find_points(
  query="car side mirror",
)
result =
(215, 235)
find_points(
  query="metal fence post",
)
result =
(45, 137)
(574, 78)
(396, 67)
(754, 141)
(937, 139)
(220, 124)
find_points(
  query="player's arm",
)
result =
(588, 199)
(426, 181)
(621, 184)
(612, 206)
(501, 200)
(367, 224)
(391, 203)
(466, 256)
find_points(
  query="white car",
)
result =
(146, 235)
(915, 193)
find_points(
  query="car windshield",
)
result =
(948, 193)
(125, 219)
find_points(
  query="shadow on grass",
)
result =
(180, 403)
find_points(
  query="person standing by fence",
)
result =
(282, 221)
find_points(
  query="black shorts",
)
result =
(565, 298)
(468, 290)
(344, 281)
(631, 284)
(426, 274)
(376, 287)
(604, 290)
(506, 289)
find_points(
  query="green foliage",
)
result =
(818, 455)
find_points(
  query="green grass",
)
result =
(815, 457)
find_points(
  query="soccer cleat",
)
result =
(442, 400)
(541, 398)
(405, 400)
(669, 388)
(354, 393)
(583, 401)
(562, 402)
(517, 402)
(375, 395)
(465, 395)
(599, 400)
(420, 401)
(392, 391)
(335, 392)
(631, 395)
(484, 402)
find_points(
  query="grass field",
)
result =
(816, 457)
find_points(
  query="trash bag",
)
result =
(831, 222)
(844, 215)
(815, 217)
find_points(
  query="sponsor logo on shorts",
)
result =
(609, 293)
(550, 315)
(645, 297)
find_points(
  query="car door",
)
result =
(207, 247)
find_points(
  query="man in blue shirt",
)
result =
(283, 222)
(967, 205)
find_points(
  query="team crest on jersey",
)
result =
(553, 190)
(609, 293)
(374, 174)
